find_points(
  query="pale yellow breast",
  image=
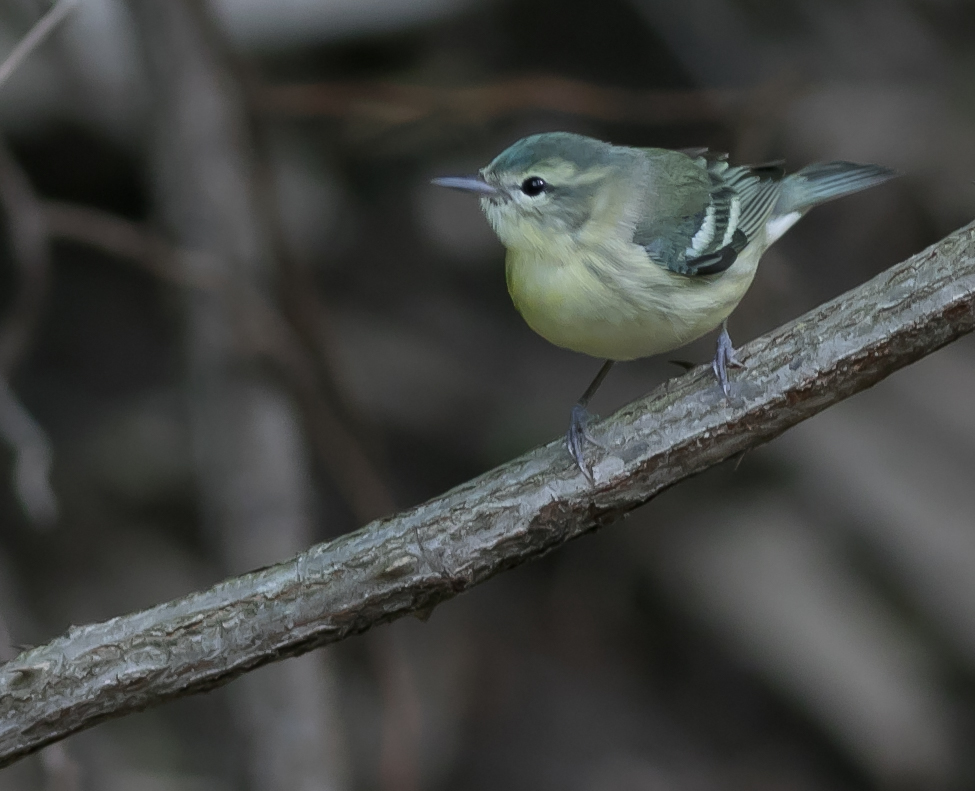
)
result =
(616, 304)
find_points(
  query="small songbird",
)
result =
(622, 252)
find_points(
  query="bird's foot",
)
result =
(724, 358)
(576, 439)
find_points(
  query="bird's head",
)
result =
(547, 186)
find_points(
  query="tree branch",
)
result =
(506, 517)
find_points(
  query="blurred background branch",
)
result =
(35, 36)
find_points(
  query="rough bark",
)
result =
(505, 517)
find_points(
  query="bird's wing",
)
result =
(703, 231)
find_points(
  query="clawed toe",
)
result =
(576, 439)
(724, 358)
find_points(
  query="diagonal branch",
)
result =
(35, 37)
(506, 517)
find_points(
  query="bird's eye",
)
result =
(533, 185)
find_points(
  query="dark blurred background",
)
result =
(237, 320)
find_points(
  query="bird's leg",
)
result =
(724, 357)
(577, 436)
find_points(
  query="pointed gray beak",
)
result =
(467, 184)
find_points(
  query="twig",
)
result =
(35, 36)
(506, 517)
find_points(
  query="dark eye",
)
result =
(533, 185)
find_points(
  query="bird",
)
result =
(620, 252)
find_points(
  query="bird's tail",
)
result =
(825, 181)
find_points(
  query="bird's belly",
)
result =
(606, 315)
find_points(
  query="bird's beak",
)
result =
(467, 184)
